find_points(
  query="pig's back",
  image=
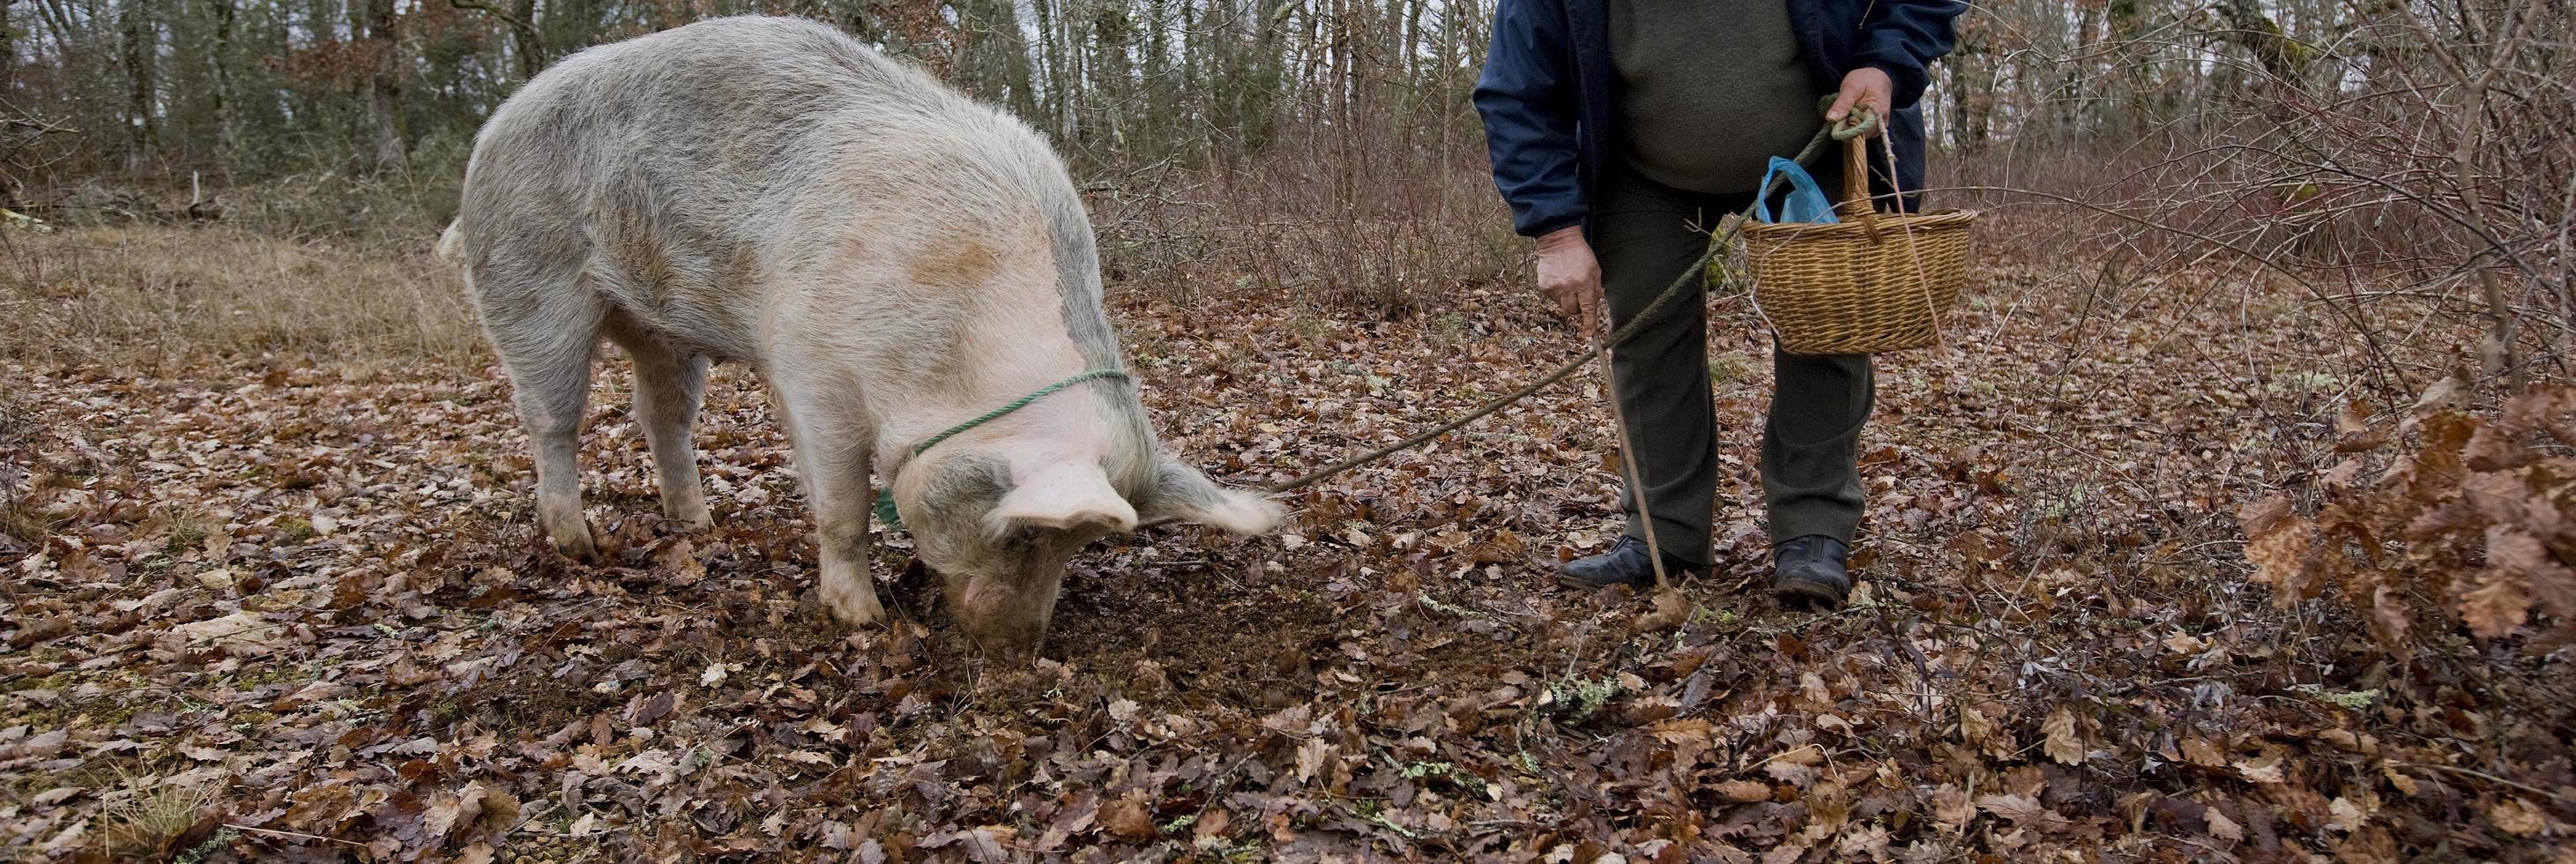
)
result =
(695, 160)
(727, 113)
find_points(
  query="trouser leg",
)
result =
(1811, 444)
(1646, 237)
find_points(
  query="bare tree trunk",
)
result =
(141, 46)
(8, 48)
(1017, 72)
(60, 19)
(1062, 89)
(525, 41)
(2136, 66)
(1406, 64)
(521, 19)
(383, 90)
(2248, 26)
(221, 53)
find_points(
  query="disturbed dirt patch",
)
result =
(313, 593)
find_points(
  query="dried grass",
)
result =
(154, 296)
(149, 814)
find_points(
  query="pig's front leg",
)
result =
(832, 451)
(848, 548)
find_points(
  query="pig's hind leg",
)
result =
(670, 384)
(546, 327)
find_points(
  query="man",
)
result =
(1621, 131)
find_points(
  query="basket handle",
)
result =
(1855, 206)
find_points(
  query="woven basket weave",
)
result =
(1870, 283)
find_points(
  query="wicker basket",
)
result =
(1872, 282)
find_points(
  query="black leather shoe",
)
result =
(1625, 564)
(1809, 571)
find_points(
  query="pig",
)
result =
(890, 256)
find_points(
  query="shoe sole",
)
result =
(1564, 581)
(1803, 592)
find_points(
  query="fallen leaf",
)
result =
(2264, 769)
(2062, 744)
(2024, 811)
(1742, 791)
(2518, 817)
(2222, 827)
(1126, 817)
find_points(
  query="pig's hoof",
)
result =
(855, 605)
(577, 541)
(691, 515)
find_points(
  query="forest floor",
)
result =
(292, 605)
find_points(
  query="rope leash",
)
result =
(885, 497)
(1857, 124)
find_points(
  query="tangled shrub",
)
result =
(2473, 522)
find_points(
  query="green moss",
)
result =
(1580, 698)
(1726, 369)
(188, 533)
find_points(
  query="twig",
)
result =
(1628, 453)
(2564, 796)
(296, 834)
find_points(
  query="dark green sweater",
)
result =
(1709, 90)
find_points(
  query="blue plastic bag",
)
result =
(1805, 202)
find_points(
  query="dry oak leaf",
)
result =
(1803, 754)
(2551, 584)
(1742, 791)
(2264, 769)
(1127, 818)
(2203, 753)
(1211, 828)
(2392, 620)
(2518, 818)
(2224, 828)
(645, 710)
(2024, 811)
(1311, 757)
(1951, 805)
(1672, 609)
(2496, 606)
(2063, 744)
(2285, 558)
(243, 632)
(2345, 814)
(1973, 725)
(2260, 516)
(2449, 393)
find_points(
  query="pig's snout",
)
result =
(1004, 615)
(1000, 527)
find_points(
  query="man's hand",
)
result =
(1569, 275)
(1866, 87)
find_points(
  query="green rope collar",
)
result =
(885, 497)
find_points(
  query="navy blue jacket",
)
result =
(1548, 84)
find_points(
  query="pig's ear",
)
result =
(1182, 494)
(1068, 495)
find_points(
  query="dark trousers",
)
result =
(1647, 234)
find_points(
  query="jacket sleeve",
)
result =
(1903, 37)
(1527, 98)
